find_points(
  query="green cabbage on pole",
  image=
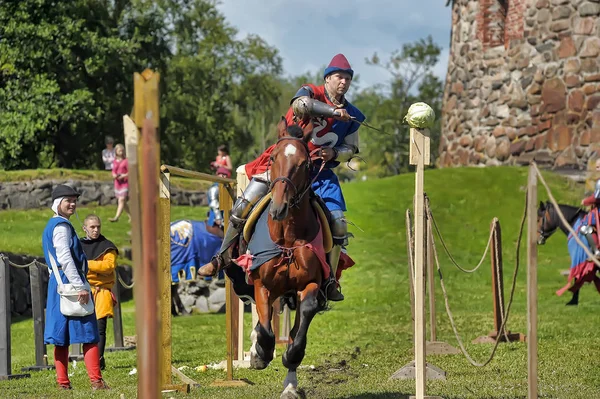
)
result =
(420, 116)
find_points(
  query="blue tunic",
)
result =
(63, 330)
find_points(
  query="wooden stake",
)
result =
(164, 236)
(532, 372)
(419, 152)
(147, 309)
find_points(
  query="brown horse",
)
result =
(292, 224)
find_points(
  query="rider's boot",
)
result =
(332, 292)
(257, 188)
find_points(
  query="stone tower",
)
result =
(523, 83)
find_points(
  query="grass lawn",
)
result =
(356, 346)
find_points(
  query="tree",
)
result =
(66, 79)
(412, 80)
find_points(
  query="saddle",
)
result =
(318, 207)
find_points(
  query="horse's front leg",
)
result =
(261, 352)
(308, 306)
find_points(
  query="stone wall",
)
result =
(534, 96)
(37, 194)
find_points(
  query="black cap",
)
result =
(62, 190)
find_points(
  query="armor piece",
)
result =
(597, 190)
(588, 232)
(344, 152)
(213, 201)
(257, 188)
(309, 107)
(339, 227)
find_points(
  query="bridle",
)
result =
(298, 195)
(544, 235)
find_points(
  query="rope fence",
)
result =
(35, 262)
(504, 315)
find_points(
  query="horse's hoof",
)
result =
(257, 363)
(289, 392)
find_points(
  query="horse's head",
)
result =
(290, 168)
(547, 222)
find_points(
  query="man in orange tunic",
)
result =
(102, 262)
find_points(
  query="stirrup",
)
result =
(331, 291)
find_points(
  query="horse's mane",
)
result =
(295, 131)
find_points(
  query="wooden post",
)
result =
(76, 353)
(38, 314)
(498, 291)
(419, 369)
(497, 276)
(5, 320)
(532, 372)
(164, 237)
(231, 320)
(419, 151)
(147, 316)
(410, 247)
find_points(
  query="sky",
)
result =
(308, 33)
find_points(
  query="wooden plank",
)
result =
(240, 340)
(532, 356)
(146, 98)
(37, 310)
(175, 171)
(147, 316)
(184, 378)
(235, 325)
(225, 203)
(164, 237)
(419, 150)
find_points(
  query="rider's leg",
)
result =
(339, 231)
(257, 188)
(588, 232)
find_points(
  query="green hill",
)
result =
(356, 346)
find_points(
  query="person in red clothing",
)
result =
(335, 134)
(592, 201)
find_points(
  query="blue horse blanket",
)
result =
(191, 247)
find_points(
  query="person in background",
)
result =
(62, 247)
(108, 154)
(120, 171)
(215, 216)
(102, 263)
(223, 159)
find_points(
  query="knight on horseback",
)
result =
(593, 201)
(335, 134)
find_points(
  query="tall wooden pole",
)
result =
(419, 156)
(147, 309)
(532, 372)
(164, 237)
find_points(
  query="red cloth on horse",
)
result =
(316, 245)
(591, 200)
